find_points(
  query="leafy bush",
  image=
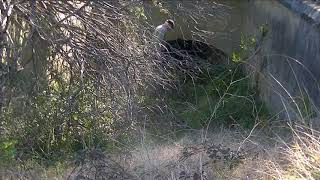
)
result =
(221, 95)
(7, 151)
(249, 45)
(47, 125)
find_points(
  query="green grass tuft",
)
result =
(220, 96)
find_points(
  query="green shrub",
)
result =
(221, 96)
(7, 151)
(53, 125)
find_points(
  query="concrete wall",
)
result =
(288, 67)
(307, 8)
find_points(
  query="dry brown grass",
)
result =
(299, 159)
(195, 156)
(190, 157)
(200, 156)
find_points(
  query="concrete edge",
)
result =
(306, 8)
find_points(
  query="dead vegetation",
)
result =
(72, 77)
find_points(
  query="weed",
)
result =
(220, 96)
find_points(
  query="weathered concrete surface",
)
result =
(307, 8)
(288, 67)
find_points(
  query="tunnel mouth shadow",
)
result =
(185, 50)
(192, 59)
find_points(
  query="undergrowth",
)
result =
(220, 95)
